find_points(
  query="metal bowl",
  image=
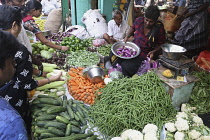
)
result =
(172, 51)
(129, 45)
(95, 74)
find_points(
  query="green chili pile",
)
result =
(200, 96)
(104, 50)
(131, 103)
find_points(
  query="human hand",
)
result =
(125, 39)
(64, 48)
(44, 74)
(150, 55)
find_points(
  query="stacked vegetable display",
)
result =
(200, 97)
(76, 44)
(82, 58)
(186, 126)
(81, 88)
(131, 103)
(58, 118)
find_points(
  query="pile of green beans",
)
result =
(104, 50)
(200, 96)
(82, 58)
(131, 103)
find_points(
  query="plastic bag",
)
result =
(146, 65)
(115, 73)
(79, 31)
(98, 42)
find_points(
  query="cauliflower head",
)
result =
(187, 108)
(179, 135)
(170, 127)
(132, 135)
(205, 138)
(193, 134)
(197, 120)
(181, 124)
(182, 115)
(150, 127)
(150, 136)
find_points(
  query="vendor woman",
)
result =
(33, 8)
(149, 35)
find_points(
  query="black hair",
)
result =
(3, 1)
(8, 47)
(9, 14)
(32, 4)
(152, 12)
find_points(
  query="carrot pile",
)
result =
(81, 88)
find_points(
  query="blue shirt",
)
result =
(11, 124)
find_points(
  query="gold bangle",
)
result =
(48, 80)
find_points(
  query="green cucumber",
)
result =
(62, 119)
(56, 131)
(71, 137)
(58, 125)
(56, 109)
(43, 105)
(65, 115)
(41, 123)
(46, 135)
(40, 130)
(76, 123)
(70, 101)
(70, 112)
(44, 96)
(75, 129)
(81, 118)
(45, 117)
(68, 130)
(50, 101)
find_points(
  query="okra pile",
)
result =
(131, 103)
(200, 96)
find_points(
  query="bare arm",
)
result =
(42, 38)
(129, 34)
(151, 53)
(50, 79)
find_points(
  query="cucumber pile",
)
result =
(59, 118)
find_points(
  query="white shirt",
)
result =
(48, 5)
(118, 32)
(24, 39)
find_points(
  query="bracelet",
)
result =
(48, 80)
(40, 73)
(61, 48)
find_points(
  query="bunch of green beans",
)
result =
(131, 103)
(200, 96)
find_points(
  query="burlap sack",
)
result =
(171, 23)
(54, 20)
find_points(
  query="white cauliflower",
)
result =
(187, 108)
(205, 137)
(117, 138)
(132, 135)
(179, 135)
(193, 134)
(181, 124)
(182, 115)
(150, 127)
(198, 121)
(170, 127)
(150, 136)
